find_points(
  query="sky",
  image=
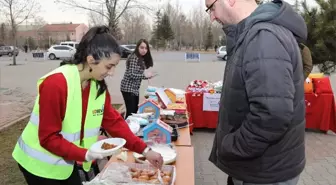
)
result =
(52, 12)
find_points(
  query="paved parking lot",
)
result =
(320, 151)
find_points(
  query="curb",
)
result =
(14, 122)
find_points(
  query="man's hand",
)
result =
(154, 158)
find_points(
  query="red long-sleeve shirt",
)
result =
(53, 97)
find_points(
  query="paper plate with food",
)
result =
(167, 152)
(109, 146)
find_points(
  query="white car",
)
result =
(70, 43)
(60, 52)
(221, 53)
(131, 47)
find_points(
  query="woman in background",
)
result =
(136, 65)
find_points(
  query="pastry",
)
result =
(107, 146)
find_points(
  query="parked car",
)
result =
(60, 52)
(9, 51)
(125, 51)
(70, 43)
(221, 53)
(129, 46)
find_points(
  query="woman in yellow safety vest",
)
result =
(72, 104)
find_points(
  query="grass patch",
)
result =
(9, 171)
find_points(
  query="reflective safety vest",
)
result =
(33, 157)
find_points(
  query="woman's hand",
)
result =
(148, 74)
(154, 158)
(90, 156)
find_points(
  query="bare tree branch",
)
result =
(114, 9)
(16, 12)
(124, 9)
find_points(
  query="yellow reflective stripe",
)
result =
(42, 156)
(91, 132)
(71, 137)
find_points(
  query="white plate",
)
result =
(168, 154)
(133, 125)
(120, 142)
(142, 115)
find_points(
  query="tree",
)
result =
(111, 10)
(31, 43)
(200, 22)
(3, 33)
(16, 12)
(134, 26)
(321, 27)
(95, 19)
(68, 37)
(157, 30)
(223, 41)
(209, 39)
(39, 21)
(297, 6)
(166, 29)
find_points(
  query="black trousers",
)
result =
(31, 179)
(131, 103)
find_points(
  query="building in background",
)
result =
(43, 36)
(63, 32)
(27, 35)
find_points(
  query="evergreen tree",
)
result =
(166, 29)
(297, 6)
(321, 26)
(157, 34)
(209, 39)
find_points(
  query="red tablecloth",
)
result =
(320, 112)
(197, 117)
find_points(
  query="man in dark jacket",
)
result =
(261, 124)
(306, 59)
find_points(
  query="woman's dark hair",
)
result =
(99, 43)
(147, 57)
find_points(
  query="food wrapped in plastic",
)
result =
(133, 174)
(218, 86)
(139, 120)
(115, 174)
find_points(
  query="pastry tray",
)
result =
(165, 168)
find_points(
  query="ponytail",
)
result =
(64, 62)
(99, 43)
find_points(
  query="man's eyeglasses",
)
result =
(209, 9)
